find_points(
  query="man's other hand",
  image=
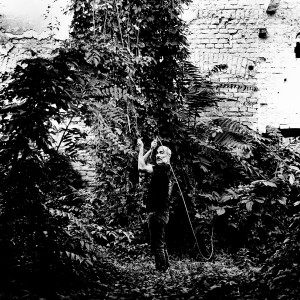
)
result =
(153, 144)
(140, 143)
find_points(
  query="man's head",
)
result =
(163, 155)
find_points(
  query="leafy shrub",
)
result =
(36, 242)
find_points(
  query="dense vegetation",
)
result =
(125, 74)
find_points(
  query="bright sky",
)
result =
(35, 10)
(32, 8)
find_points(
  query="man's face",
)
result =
(163, 155)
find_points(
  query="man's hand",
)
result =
(143, 166)
(140, 143)
(153, 144)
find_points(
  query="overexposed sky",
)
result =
(31, 8)
(34, 12)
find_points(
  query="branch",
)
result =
(119, 23)
(65, 131)
(11, 108)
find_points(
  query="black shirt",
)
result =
(158, 196)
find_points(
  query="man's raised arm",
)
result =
(143, 166)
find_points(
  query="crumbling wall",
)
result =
(30, 27)
(258, 48)
(254, 39)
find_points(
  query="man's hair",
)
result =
(166, 150)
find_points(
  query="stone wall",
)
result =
(258, 48)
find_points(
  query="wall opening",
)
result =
(297, 48)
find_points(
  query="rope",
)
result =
(189, 219)
(94, 22)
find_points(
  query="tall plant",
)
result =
(32, 239)
(139, 48)
(138, 45)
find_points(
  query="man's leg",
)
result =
(157, 223)
(167, 257)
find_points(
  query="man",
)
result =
(157, 203)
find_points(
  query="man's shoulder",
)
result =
(161, 168)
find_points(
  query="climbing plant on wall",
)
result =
(151, 32)
(138, 46)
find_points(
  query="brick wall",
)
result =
(261, 78)
(28, 27)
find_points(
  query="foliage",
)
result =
(281, 270)
(236, 183)
(138, 46)
(152, 84)
(126, 75)
(43, 90)
(135, 279)
(255, 212)
(34, 240)
(151, 33)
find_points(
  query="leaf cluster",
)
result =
(34, 240)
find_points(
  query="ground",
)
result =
(136, 278)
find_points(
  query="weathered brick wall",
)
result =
(28, 27)
(262, 74)
(261, 78)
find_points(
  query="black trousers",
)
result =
(157, 224)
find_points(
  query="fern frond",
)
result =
(110, 113)
(192, 71)
(88, 260)
(232, 140)
(200, 93)
(110, 91)
(241, 87)
(233, 126)
(73, 256)
(217, 69)
(203, 161)
(72, 137)
(234, 134)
